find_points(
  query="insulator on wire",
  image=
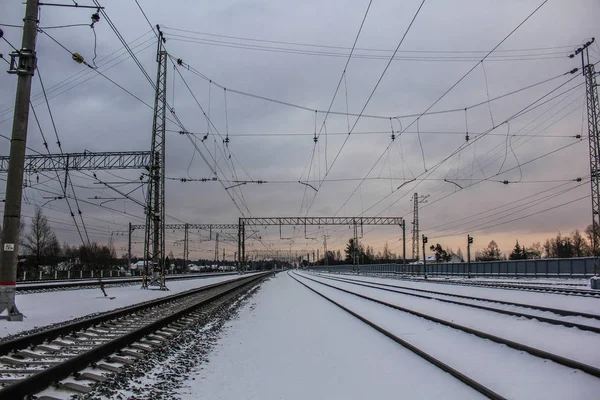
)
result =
(95, 18)
(78, 58)
(506, 182)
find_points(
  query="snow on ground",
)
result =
(567, 342)
(291, 344)
(525, 309)
(574, 303)
(42, 309)
(510, 373)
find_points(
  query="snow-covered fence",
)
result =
(547, 267)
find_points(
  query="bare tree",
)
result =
(41, 242)
(580, 245)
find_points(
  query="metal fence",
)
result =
(548, 267)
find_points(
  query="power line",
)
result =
(527, 50)
(366, 103)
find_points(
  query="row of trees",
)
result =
(560, 246)
(40, 248)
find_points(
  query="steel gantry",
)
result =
(86, 161)
(356, 222)
(218, 228)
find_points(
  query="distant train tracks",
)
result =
(104, 343)
(443, 297)
(524, 287)
(328, 291)
(508, 286)
(90, 283)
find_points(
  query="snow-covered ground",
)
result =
(511, 373)
(41, 309)
(291, 344)
(568, 342)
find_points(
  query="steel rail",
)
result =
(484, 335)
(24, 342)
(443, 366)
(510, 303)
(45, 378)
(562, 291)
(552, 321)
(78, 282)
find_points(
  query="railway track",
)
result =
(72, 357)
(512, 286)
(567, 362)
(419, 352)
(435, 295)
(48, 286)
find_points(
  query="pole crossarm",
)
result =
(85, 161)
(322, 221)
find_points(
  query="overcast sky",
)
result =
(297, 54)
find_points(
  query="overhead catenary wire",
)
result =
(419, 179)
(524, 50)
(87, 238)
(366, 104)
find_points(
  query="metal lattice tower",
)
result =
(355, 253)
(154, 239)
(415, 233)
(186, 245)
(593, 117)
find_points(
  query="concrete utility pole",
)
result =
(23, 64)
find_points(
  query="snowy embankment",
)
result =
(42, 309)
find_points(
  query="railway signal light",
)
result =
(424, 239)
(470, 239)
